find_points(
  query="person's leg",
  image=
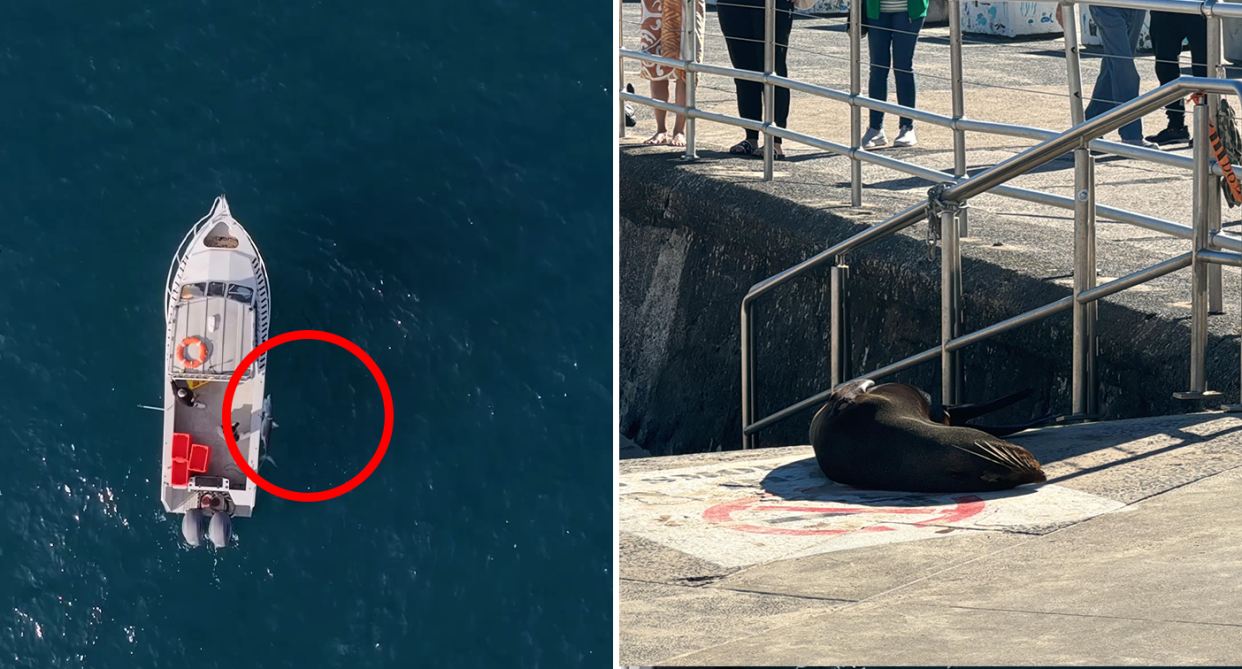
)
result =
(784, 27)
(1118, 34)
(1125, 75)
(1196, 33)
(679, 130)
(656, 75)
(1106, 20)
(659, 91)
(671, 47)
(1166, 42)
(737, 22)
(879, 43)
(904, 40)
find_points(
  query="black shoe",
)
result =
(1170, 135)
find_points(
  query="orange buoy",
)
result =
(196, 361)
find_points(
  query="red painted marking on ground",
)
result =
(722, 514)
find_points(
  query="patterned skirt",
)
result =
(660, 35)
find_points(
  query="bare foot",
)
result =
(658, 138)
(678, 139)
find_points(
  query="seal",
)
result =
(890, 437)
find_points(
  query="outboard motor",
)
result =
(192, 527)
(221, 529)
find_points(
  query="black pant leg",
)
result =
(784, 26)
(1166, 42)
(1196, 34)
(738, 23)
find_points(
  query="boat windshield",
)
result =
(233, 291)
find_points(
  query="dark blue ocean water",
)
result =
(431, 181)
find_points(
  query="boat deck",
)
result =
(204, 425)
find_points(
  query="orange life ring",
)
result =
(192, 362)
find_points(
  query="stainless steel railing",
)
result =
(948, 201)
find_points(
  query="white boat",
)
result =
(217, 310)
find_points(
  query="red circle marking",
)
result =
(250, 473)
(722, 514)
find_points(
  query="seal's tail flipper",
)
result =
(961, 413)
(1006, 430)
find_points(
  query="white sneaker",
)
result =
(905, 137)
(874, 139)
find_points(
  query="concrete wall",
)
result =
(691, 247)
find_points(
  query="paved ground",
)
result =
(1128, 555)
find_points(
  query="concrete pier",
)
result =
(1128, 555)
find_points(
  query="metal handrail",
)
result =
(1209, 241)
(1076, 138)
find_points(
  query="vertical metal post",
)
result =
(959, 103)
(950, 308)
(690, 54)
(1198, 268)
(769, 91)
(840, 323)
(856, 16)
(1084, 389)
(1216, 301)
(620, 70)
(1236, 407)
(748, 373)
(1073, 75)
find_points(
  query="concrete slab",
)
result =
(743, 514)
(882, 634)
(656, 615)
(1134, 563)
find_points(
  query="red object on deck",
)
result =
(181, 446)
(181, 460)
(200, 455)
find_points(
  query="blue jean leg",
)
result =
(891, 43)
(904, 42)
(1118, 82)
(879, 45)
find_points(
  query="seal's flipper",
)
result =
(960, 414)
(1006, 430)
(1016, 459)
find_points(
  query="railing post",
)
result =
(856, 15)
(959, 102)
(1199, 267)
(839, 326)
(1234, 408)
(748, 372)
(769, 91)
(1073, 75)
(620, 70)
(1085, 391)
(950, 307)
(690, 54)
(1216, 301)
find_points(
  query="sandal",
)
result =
(744, 148)
(775, 154)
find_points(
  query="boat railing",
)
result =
(182, 249)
